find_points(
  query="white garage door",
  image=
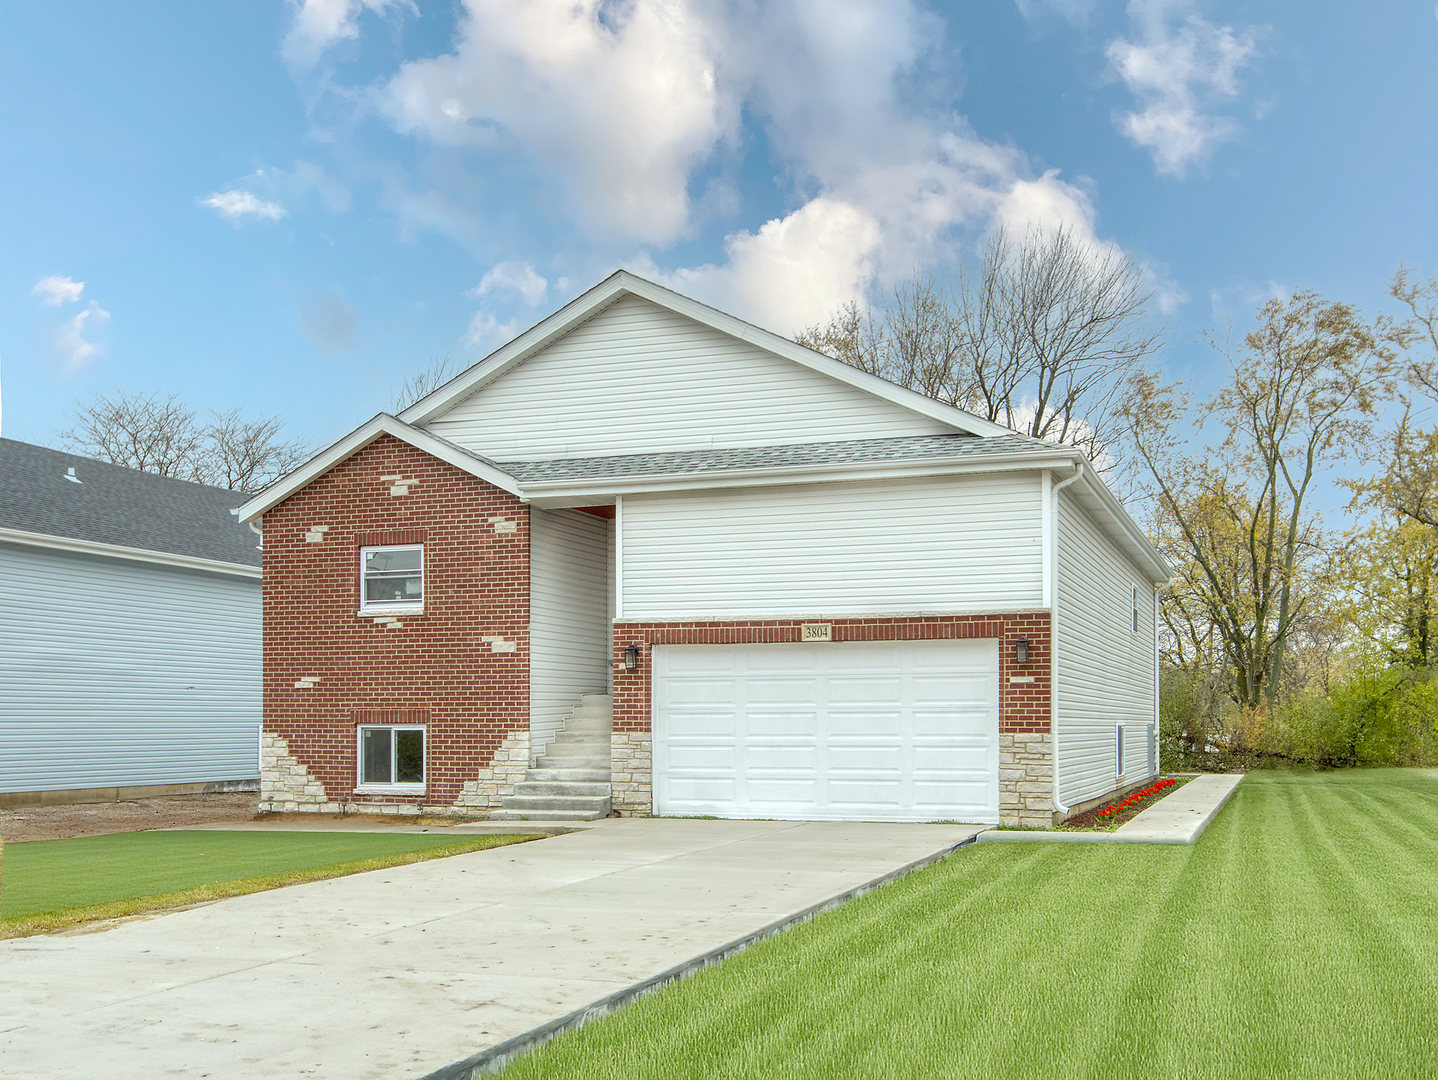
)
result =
(835, 731)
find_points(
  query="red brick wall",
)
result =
(476, 586)
(1023, 707)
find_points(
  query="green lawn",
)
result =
(104, 876)
(1298, 938)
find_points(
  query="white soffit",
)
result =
(383, 424)
(622, 283)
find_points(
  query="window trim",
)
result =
(363, 788)
(402, 607)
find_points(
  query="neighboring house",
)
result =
(811, 593)
(130, 625)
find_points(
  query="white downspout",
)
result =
(1059, 804)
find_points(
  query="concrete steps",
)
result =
(570, 781)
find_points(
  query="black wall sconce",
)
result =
(1021, 650)
(631, 658)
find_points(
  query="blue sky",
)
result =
(287, 207)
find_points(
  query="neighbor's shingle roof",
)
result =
(116, 505)
(910, 448)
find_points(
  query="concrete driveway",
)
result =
(396, 973)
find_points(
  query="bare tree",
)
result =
(424, 382)
(1041, 336)
(248, 455)
(164, 435)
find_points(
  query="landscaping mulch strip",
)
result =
(1111, 815)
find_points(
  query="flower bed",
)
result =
(1111, 815)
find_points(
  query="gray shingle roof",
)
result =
(910, 448)
(116, 505)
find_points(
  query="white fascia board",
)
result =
(357, 440)
(120, 551)
(1124, 530)
(601, 489)
(623, 283)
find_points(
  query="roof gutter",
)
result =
(1059, 804)
(119, 551)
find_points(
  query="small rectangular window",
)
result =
(1135, 609)
(392, 578)
(391, 758)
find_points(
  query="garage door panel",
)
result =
(898, 731)
(879, 725)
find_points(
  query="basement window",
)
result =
(392, 579)
(391, 759)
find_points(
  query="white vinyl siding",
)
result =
(637, 379)
(845, 731)
(121, 673)
(1104, 668)
(569, 620)
(951, 544)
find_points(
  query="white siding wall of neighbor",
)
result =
(121, 673)
(1105, 668)
(639, 379)
(953, 545)
(568, 618)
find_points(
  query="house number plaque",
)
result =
(816, 631)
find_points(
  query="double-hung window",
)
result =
(392, 579)
(391, 758)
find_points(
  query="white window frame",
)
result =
(361, 787)
(391, 607)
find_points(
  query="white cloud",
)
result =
(619, 102)
(794, 271)
(508, 279)
(70, 342)
(618, 105)
(1177, 74)
(486, 332)
(55, 290)
(238, 204)
(320, 23)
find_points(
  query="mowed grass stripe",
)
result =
(50, 884)
(1295, 940)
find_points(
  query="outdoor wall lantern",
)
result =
(631, 658)
(1021, 650)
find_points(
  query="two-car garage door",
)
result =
(832, 731)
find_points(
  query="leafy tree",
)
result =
(166, 435)
(1236, 520)
(1040, 336)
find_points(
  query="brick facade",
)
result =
(1025, 740)
(461, 667)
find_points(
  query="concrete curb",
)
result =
(1178, 819)
(500, 1054)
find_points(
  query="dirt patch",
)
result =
(1096, 820)
(95, 819)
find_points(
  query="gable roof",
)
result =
(621, 284)
(362, 436)
(112, 510)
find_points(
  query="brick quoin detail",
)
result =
(436, 665)
(1023, 707)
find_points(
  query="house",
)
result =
(131, 631)
(650, 557)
